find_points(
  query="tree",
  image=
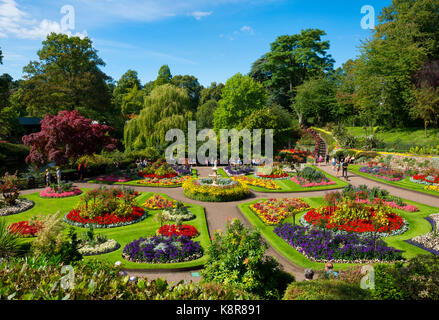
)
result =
(66, 77)
(315, 99)
(205, 114)
(192, 87)
(404, 39)
(240, 97)
(167, 107)
(132, 102)
(345, 106)
(237, 258)
(127, 81)
(66, 137)
(211, 93)
(292, 60)
(426, 105)
(9, 112)
(164, 76)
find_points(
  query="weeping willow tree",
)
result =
(165, 108)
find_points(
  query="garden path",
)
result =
(217, 215)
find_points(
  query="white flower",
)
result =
(117, 263)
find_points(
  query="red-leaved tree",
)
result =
(67, 136)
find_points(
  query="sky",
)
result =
(211, 40)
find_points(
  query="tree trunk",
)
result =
(425, 125)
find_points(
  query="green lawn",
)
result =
(404, 183)
(417, 226)
(123, 235)
(289, 186)
(401, 139)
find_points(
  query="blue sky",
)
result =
(211, 40)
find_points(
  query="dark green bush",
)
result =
(97, 280)
(322, 289)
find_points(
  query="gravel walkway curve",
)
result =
(218, 213)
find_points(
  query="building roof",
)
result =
(29, 121)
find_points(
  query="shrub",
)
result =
(49, 240)
(325, 290)
(9, 241)
(237, 257)
(98, 280)
(9, 187)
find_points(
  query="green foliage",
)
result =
(9, 187)
(211, 93)
(50, 238)
(325, 290)
(164, 76)
(191, 85)
(237, 257)
(10, 243)
(132, 102)
(126, 83)
(97, 280)
(167, 107)
(205, 114)
(241, 97)
(312, 175)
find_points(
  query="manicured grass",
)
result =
(417, 226)
(123, 235)
(404, 183)
(287, 185)
(403, 138)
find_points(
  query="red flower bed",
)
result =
(153, 175)
(424, 178)
(23, 228)
(173, 230)
(273, 176)
(313, 217)
(106, 219)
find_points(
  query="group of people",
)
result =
(141, 164)
(342, 164)
(329, 272)
(48, 176)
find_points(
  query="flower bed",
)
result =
(383, 173)
(164, 182)
(273, 211)
(157, 202)
(280, 176)
(307, 184)
(107, 220)
(162, 249)
(434, 188)
(26, 228)
(236, 171)
(20, 205)
(261, 183)
(203, 190)
(358, 218)
(178, 230)
(322, 246)
(106, 208)
(182, 170)
(114, 178)
(429, 241)
(425, 179)
(311, 177)
(51, 193)
(178, 213)
(101, 248)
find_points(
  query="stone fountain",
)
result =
(214, 175)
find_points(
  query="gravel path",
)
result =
(218, 213)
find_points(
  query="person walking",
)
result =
(58, 175)
(345, 169)
(81, 170)
(48, 177)
(327, 159)
(309, 274)
(334, 162)
(338, 165)
(320, 160)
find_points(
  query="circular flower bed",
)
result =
(178, 230)
(100, 248)
(322, 246)
(163, 182)
(26, 228)
(429, 241)
(354, 217)
(162, 249)
(106, 208)
(425, 179)
(384, 173)
(114, 178)
(203, 190)
(157, 202)
(20, 205)
(51, 193)
(273, 211)
(238, 170)
(178, 213)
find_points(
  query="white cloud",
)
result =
(201, 14)
(247, 29)
(18, 23)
